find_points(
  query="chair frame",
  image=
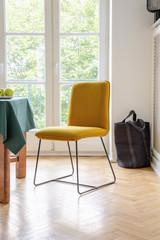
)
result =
(91, 187)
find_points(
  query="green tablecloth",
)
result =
(16, 117)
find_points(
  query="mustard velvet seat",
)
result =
(70, 133)
(88, 117)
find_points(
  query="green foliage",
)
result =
(25, 15)
(79, 58)
(36, 97)
(26, 58)
(79, 16)
(65, 98)
(79, 54)
(26, 54)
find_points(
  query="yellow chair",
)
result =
(88, 117)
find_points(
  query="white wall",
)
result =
(131, 60)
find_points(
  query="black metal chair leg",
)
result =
(78, 184)
(35, 173)
(93, 187)
(55, 179)
(114, 176)
(69, 149)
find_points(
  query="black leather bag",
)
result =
(132, 142)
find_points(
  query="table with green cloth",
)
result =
(16, 118)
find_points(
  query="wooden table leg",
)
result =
(21, 163)
(4, 173)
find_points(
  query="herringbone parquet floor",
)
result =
(127, 210)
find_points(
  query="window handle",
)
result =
(1, 68)
(56, 68)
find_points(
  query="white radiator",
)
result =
(156, 95)
(155, 130)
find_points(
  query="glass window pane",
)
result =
(25, 15)
(65, 98)
(26, 58)
(79, 58)
(79, 15)
(36, 97)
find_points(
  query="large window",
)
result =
(45, 47)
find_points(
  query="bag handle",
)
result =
(141, 129)
(134, 116)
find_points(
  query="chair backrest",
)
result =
(89, 105)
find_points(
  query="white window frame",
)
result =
(86, 146)
(32, 143)
(2, 48)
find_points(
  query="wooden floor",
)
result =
(127, 210)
